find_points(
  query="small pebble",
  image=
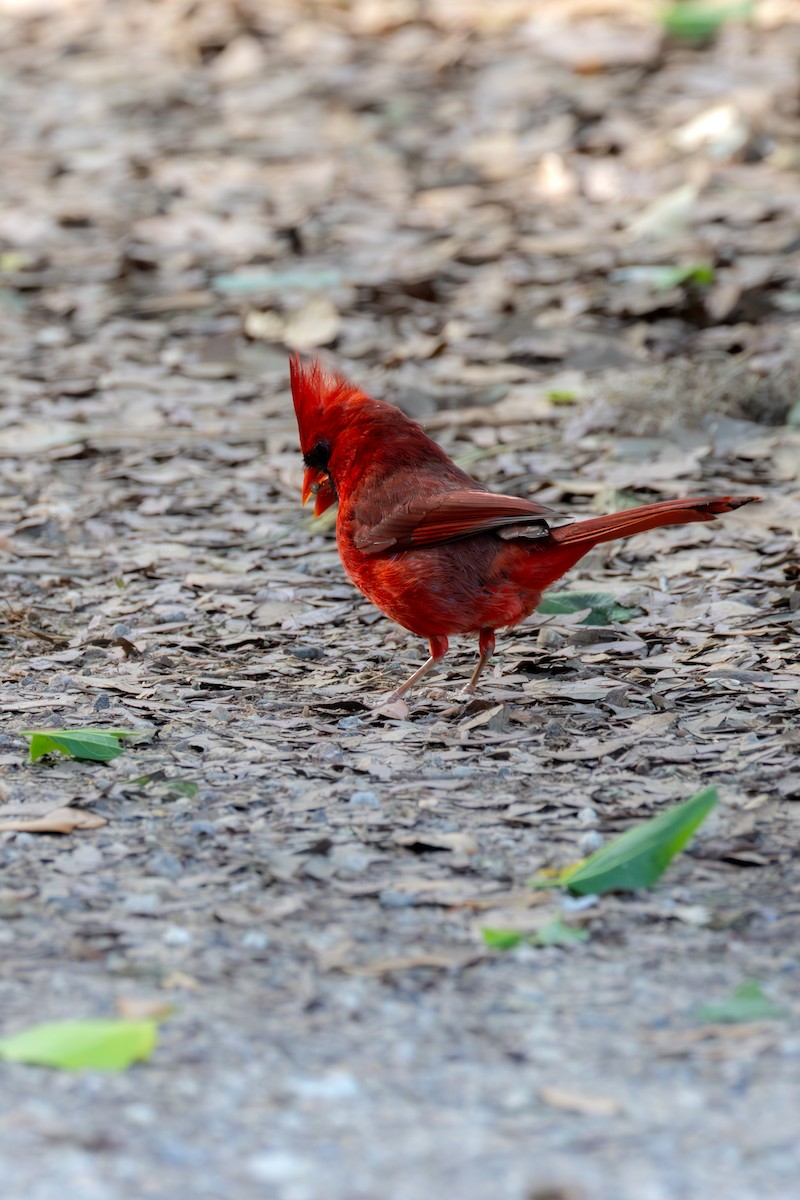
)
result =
(331, 755)
(254, 939)
(590, 841)
(203, 829)
(143, 903)
(369, 798)
(176, 1153)
(550, 639)
(572, 904)
(63, 683)
(176, 935)
(390, 899)
(351, 861)
(307, 654)
(278, 1166)
(517, 1099)
(165, 864)
(52, 335)
(140, 1114)
(339, 1085)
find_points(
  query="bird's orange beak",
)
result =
(317, 483)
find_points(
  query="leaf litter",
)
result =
(498, 210)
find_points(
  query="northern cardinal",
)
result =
(429, 546)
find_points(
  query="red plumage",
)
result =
(428, 545)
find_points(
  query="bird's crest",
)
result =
(315, 392)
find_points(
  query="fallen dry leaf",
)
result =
(458, 843)
(585, 1103)
(141, 1008)
(58, 820)
(446, 959)
(179, 979)
(395, 710)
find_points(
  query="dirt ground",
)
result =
(570, 246)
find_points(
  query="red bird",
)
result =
(429, 546)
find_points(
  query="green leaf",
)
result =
(603, 608)
(662, 278)
(90, 745)
(82, 1045)
(554, 933)
(182, 787)
(745, 1003)
(561, 396)
(638, 857)
(15, 260)
(501, 939)
(558, 933)
(698, 20)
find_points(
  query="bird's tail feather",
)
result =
(649, 516)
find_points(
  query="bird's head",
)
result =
(317, 396)
(347, 436)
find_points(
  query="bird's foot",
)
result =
(392, 705)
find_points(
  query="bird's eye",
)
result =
(319, 456)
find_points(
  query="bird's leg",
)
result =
(438, 645)
(486, 646)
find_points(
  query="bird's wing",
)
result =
(451, 516)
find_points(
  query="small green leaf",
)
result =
(559, 396)
(558, 933)
(603, 608)
(554, 933)
(90, 745)
(638, 857)
(15, 260)
(82, 1045)
(698, 20)
(745, 1003)
(182, 787)
(662, 278)
(501, 939)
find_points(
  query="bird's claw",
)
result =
(392, 705)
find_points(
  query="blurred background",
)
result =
(467, 197)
